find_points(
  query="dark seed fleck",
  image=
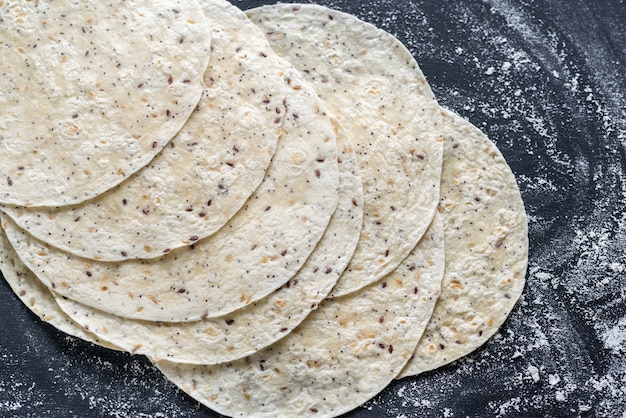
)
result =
(170, 79)
(154, 144)
(88, 273)
(124, 253)
(77, 219)
(194, 238)
(441, 346)
(384, 284)
(328, 270)
(181, 291)
(283, 253)
(230, 321)
(317, 173)
(390, 348)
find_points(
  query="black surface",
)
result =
(557, 111)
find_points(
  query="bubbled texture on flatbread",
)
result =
(247, 330)
(486, 244)
(255, 253)
(343, 354)
(92, 91)
(369, 80)
(206, 172)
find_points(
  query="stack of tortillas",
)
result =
(271, 206)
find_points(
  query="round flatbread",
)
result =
(260, 324)
(343, 354)
(37, 297)
(486, 236)
(255, 253)
(203, 176)
(370, 81)
(92, 91)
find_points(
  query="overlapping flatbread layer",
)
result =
(372, 83)
(203, 176)
(258, 325)
(91, 91)
(38, 297)
(486, 245)
(255, 253)
(344, 353)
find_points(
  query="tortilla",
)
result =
(258, 325)
(206, 172)
(373, 85)
(37, 297)
(343, 354)
(486, 235)
(255, 253)
(92, 91)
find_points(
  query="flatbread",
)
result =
(372, 83)
(340, 356)
(204, 175)
(260, 324)
(254, 254)
(37, 297)
(486, 235)
(91, 92)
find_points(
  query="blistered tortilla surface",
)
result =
(92, 91)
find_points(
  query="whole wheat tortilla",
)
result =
(37, 297)
(258, 325)
(206, 172)
(255, 253)
(486, 245)
(91, 91)
(372, 83)
(343, 354)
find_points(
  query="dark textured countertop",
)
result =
(544, 79)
